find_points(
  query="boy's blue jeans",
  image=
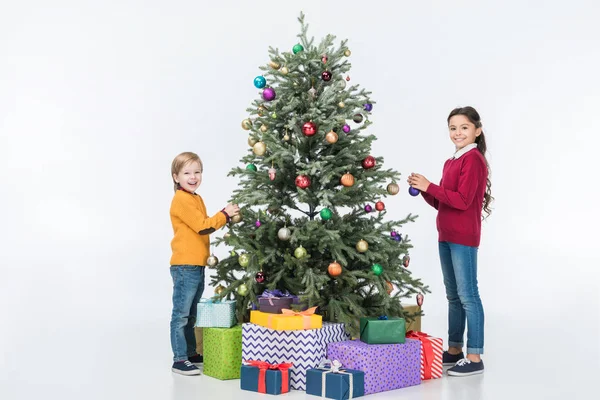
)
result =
(188, 285)
(459, 267)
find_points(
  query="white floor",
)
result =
(547, 359)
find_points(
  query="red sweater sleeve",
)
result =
(432, 201)
(468, 182)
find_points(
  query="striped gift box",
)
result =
(431, 354)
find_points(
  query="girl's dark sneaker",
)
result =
(466, 367)
(451, 359)
(197, 359)
(185, 368)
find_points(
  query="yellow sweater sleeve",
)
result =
(191, 211)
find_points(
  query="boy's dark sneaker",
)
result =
(197, 359)
(451, 359)
(185, 368)
(466, 367)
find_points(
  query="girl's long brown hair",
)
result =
(475, 119)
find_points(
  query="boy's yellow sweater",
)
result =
(191, 228)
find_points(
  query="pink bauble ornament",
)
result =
(269, 94)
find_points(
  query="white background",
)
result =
(96, 98)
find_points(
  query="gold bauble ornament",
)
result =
(286, 137)
(212, 261)
(247, 124)
(260, 148)
(284, 70)
(219, 289)
(393, 188)
(331, 137)
(341, 104)
(347, 53)
(261, 110)
(236, 218)
(251, 141)
(263, 128)
(362, 246)
(274, 65)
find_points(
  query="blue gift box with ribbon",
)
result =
(216, 314)
(330, 380)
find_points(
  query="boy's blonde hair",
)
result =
(181, 161)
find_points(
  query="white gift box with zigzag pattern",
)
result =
(305, 349)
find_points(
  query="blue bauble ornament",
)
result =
(260, 82)
(413, 191)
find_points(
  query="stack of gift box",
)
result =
(286, 347)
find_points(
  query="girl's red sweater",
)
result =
(459, 198)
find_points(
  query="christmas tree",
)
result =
(313, 220)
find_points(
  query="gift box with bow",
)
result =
(216, 314)
(288, 319)
(382, 330)
(272, 301)
(262, 377)
(331, 381)
(386, 366)
(432, 349)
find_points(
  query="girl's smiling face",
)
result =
(462, 131)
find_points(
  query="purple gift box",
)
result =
(273, 305)
(386, 366)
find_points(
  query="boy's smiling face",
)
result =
(190, 176)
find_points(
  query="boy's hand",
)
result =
(418, 181)
(232, 209)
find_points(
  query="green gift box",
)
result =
(382, 330)
(222, 352)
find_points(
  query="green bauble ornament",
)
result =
(377, 269)
(326, 214)
(300, 252)
(297, 48)
(274, 115)
(242, 290)
(244, 260)
(251, 167)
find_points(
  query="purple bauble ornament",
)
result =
(269, 94)
(257, 223)
(346, 128)
(368, 106)
(397, 238)
(368, 208)
(413, 191)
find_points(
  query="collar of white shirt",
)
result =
(465, 149)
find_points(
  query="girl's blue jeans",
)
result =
(459, 267)
(188, 285)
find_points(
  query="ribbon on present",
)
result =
(335, 367)
(263, 366)
(306, 314)
(427, 350)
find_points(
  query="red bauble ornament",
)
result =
(368, 162)
(309, 128)
(379, 206)
(302, 181)
(260, 277)
(326, 76)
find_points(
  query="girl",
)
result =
(464, 191)
(190, 245)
